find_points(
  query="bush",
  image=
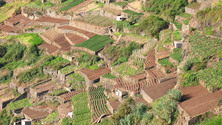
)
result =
(190, 79)
(29, 75)
(15, 52)
(168, 8)
(6, 78)
(151, 26)
(187, 66)
(2, 51)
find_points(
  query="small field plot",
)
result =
(96, 20)
(98, 102)
(126, 69)
(95, 43)
(82, 113)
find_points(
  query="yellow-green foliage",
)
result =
(10, 9)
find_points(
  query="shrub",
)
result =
(190, 79)
(187, 65)
(151, 26)
(6, 78)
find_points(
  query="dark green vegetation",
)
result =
(151, 26)
(167, 9)
(176, 54)
(95, 43)
(16, 55)
(121, 53)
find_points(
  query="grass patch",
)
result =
(122, 4)
(165, 62)
(178, 25)
(194, 5)
(217, 120)
(126, 69)
(176, 56)
(108, 76)
(177, 36)
(185, 15)
(186, 22)
(95, 43)
(67, 69)
(208, 31)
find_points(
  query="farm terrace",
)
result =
(156, 91)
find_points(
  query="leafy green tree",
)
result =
(187, 66)
(167, 106)
(124, 109)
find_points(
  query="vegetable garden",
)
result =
(98, 102)
(81, 110)
(204, 47)
(95, 43)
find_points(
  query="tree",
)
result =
(167, 106)
(124, 109)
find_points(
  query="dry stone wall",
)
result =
(190, 10)
(91, 28)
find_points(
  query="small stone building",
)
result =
(33, 115)
(41, 89)
(93, 76)
(155, 92)
(113, 106)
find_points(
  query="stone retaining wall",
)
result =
(95, 13)
(108, 83)
(71, 31)
(105, 59)
(91, 28)
(190, 10)
(83, 49)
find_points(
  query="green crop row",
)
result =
(212, 76)
(208, 47)
(74, 3)
(95, 43)
(81, 110)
